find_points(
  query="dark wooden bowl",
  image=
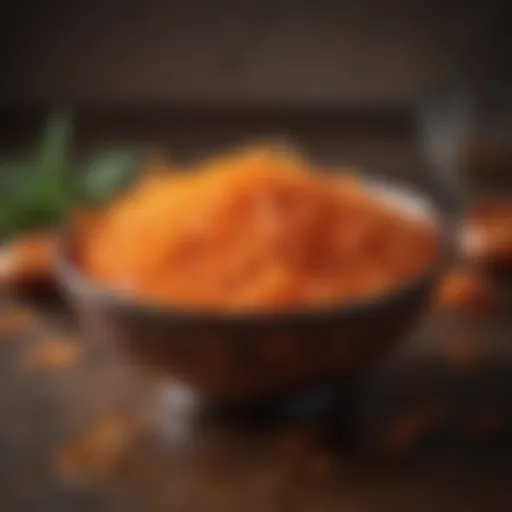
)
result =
(234, 357)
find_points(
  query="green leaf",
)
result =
(109, 173)
(37, 192)
(12, 177)
(49, 186)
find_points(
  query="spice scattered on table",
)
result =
(53, 354)
(98, 452)
(467, 291)
(487, 234)
(27, 261)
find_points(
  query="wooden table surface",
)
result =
(427, 429)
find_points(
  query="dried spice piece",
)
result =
(486, 236)
(466, 291)
(27, 261)
(53, 354)
(98, 452)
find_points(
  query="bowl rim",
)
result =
(76, 282)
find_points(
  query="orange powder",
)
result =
(258, 229)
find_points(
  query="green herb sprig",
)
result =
(39, 190)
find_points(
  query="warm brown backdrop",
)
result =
(158, 52)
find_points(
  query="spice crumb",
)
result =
(465, 291)
(53, 354)
(97, 452)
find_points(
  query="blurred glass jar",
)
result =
(466, 133)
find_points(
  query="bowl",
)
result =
(237, 357)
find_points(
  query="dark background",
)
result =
(158, 53)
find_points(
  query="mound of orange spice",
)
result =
(256, 229)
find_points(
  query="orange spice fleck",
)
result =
(53, 354)
(466, 291)
(27, 261)
(487, 234)
(97, 452)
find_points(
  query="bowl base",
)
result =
(181, 411)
